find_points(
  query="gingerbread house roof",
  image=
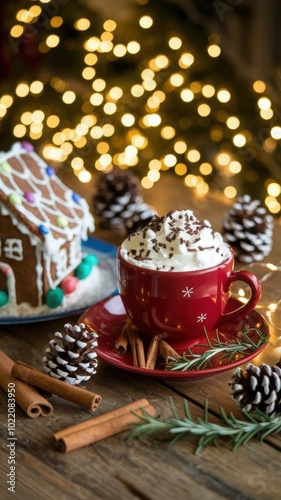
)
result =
(38, 202)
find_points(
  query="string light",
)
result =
(119, 120)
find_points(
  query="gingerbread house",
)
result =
(42, 225)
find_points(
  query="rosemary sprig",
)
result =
(229, 350)
(237, 432)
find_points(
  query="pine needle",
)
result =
(233, 432)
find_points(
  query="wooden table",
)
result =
(148, 470)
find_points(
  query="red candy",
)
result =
(69, 284)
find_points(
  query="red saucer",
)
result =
(108, 316)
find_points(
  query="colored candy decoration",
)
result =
(15, 199)
(62, 221)
(4, 299)
(43, 229)
(27, 146)
(50, 171)
(29, 196)
(69, 284)
(91, 259)
(83, 270)
(5, 167)
(76, 197)
(54, 298)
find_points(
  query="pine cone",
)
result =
(139, 219)
(258, 387)
(248, 229)
(71, 357)
(117, 198)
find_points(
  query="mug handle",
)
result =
(253, 282)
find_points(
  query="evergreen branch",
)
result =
(224, 349)
(257, 425)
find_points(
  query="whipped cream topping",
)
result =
(176, 242)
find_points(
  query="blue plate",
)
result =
(89, 291)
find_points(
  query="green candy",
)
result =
(83, 270)
(4, 299)
(15, 199)
(54, 298)
(91, 259)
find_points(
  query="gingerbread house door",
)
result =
(7, 272)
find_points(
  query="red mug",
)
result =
(180, 305)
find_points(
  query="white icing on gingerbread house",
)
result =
(42, 225)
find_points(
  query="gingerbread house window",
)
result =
(13, 249)
(61, 266)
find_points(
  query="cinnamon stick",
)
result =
(72, 393)
(121, 343)
(136, 343)
(167, 351)
(101, 427)
(25, 396)
(152, 353)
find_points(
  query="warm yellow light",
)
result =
(204, 110)
(99, 84)
(213, 50)
(187, 95)
(190, 180)
(161, 61)
(84, 176)
(96, 99)
(53, 121)
(139, 141)
(223, 95)
(230, 192)
(92, 44)
(120, 50)
(274, 189)
(96, 132)
(239, 140)
(155, 164)
(223, 159)
(169, 160)
(56, 21)
(264, 103)
(152, 120)
(109, 25)
(133, 47)
(88, 73)
(175, 43)
(259, 86)
(17, 31)
(110, 108)
(216, 134)
(153, 175)
(168, 132)
(6, 100)
(36, 87)
(82, 24)
(272, 204)
(146, 22)
(180, 169)
(266, 114)
(90, 59)
(137, 90)
(276, 133)
(38, 116)
(19, 130)
(26, 118)
(186, 60)
(205, 168)
(68, 97)
(3, 110)
(24, 16)
(176, 80)
(52, 41)
(22, 89)
(180, 147)
(108, 130)
(128, 120)
(233, 122)
(235, 167)
(77, 163)
(193, 155)
(208, 91)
